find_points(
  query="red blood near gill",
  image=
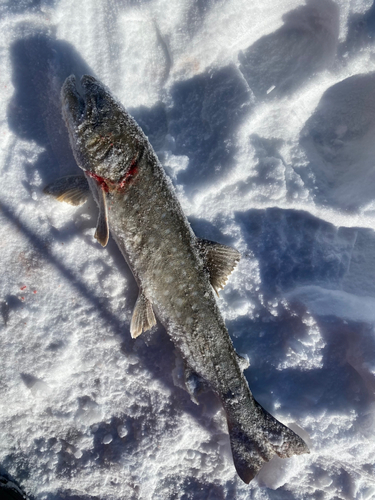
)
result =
(23, 287)
(107, 185)
(130, 174)
(100, 180)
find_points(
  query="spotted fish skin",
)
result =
(175, 271)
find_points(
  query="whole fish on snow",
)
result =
(176, 272)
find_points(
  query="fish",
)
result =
(178, 274)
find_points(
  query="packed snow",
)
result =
(263, 115)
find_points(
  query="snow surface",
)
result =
(263, 114)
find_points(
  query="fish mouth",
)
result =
(72, 101)
(76, 107)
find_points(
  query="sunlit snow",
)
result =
(263, 114)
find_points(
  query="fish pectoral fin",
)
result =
(72, 189)
(220, 261)
(102, 229)
(143, 316)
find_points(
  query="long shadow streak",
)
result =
(41, 246)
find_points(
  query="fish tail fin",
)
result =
(258, 440)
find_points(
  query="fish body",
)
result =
(176, 272)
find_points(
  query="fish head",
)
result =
(106, 140)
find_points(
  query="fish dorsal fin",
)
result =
(220, 261)
(143, 316)
(72, 189)
(102, 229)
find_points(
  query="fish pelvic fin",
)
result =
(143, 316)
(220, 261)
(102, 228)
(72, 189)
(257, 441)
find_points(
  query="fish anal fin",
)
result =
(143, 318)
(72, 189)
(102, 229)
(220, 260)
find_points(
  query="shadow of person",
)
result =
(40, 65)
(279, 63)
